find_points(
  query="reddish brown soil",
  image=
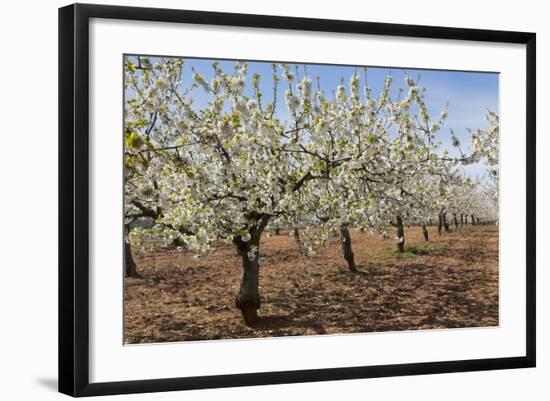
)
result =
(454, 285)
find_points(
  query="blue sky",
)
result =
(468, 94)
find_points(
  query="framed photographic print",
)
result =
(250, 199)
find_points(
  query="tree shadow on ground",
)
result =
(278, 322)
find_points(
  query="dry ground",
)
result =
(450, 282)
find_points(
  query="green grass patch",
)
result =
(411, 251)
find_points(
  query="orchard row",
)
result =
(218, 160)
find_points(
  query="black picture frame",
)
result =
(74, 198)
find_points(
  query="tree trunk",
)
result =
(473, 220)
(446, 223)
(455, 221)
(129, 263)
(277, 230)
(346, 248)
(297, 239)
(439, 223)
(248, 299)
(400, 234)
(461, 219)
(425, 232)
